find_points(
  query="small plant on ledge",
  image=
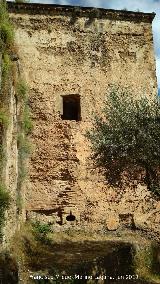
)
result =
(4, 204)
(41, 231)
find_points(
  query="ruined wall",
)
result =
(10, 115)
(69, 50)
(9, 157)
(10, 166)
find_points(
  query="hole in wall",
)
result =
(70, 217)
(71, 108)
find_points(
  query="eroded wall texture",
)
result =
(9, 156)
(81, 51)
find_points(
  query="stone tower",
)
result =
(71, 56)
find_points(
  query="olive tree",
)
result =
(128, 134)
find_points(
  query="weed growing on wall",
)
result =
(6, 67)
(4, 120)
(21, 90)
(25, 127)
(6, 45)
(27, 122)
(7, 33)
(9, 78)
(4, 204)
(41, 231)
(22, 96)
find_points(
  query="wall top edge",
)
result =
(76, 11)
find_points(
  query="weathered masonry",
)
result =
(71, 57)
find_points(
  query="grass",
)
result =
(10, 267)
(6, 43)
(24, 149)
(6, 66)
(21, 89)
(4, 120)
(41, 231)
(144, 262)
(4, 204)
(26, 120)
(23, 146)
(2, 157)
(9, 78)
(19, 202)
(30, 248)
(7, 34)
(6, 29)
(36, 255)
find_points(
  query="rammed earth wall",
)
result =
(81, 51)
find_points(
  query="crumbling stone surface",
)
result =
(86, 55)
(9, 162)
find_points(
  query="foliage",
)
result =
(143, 263)
(6, 29)
(21, 1)
(128, 134)
(41, 231)
(8, 48)
(4, 118)
(24, 150)
(26, 122)
(2, 157)
(9, 267)
(19, 202)
(23, 146)
(25, 126)
(6, 66)
(6, 41)
(22, 89)
(4, 204)
(42, 228)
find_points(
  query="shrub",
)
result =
(2, 157)
(22, 89)
(6, 43)
(4, 118)
(6, 29)
(4, 204)
(26, 122)
(128, 134)
(23, 146)
(7, 34)
(21, 1)
(143, 263)
(41, 231)
(6, 66)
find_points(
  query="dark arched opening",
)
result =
(70, 217)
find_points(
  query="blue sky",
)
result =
(132, 5)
